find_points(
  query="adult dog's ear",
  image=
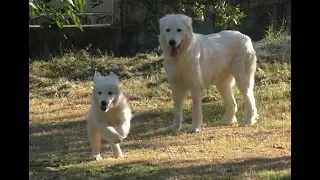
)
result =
(188, 22)
(161, 22)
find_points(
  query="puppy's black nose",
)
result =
(172, 42)
(103, 103)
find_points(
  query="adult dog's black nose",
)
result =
(103, 103)
(172, 42)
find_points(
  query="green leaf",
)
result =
(33, 5)
(75, 19)
(58, 22)
(80, 5)
(71, 2)
(235, 21)
(36, 12)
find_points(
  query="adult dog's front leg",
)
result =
(196, 93)
(178, 95)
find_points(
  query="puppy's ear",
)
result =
(96, 76)
(188, 22)
(113, 74)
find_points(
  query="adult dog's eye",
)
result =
(168, 30)
(178, 30)
(99, 93)
(110, 93)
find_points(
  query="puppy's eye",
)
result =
(178, 30)
(99, 93)
(110, 93)
(168, 30)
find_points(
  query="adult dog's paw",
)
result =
(97, 157)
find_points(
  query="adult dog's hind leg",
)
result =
(225, 88)
(244, 77)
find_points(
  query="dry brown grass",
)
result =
(59, 146)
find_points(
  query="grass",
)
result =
(276, 44)
(277, 35)
(60, 97)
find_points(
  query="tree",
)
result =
(226, 15)
(58, 15)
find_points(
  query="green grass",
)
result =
(275, 175)
(276, 44)
(276, 35)
(60, 97)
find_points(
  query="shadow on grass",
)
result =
(50, 141)
(146, 170)
(65, 143)
(60, 137)
(154, 124)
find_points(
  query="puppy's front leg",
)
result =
(109, 133)
(124, 129)
(196, 93)
(95, 141)
(116, 151)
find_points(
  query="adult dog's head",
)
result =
(175, 33)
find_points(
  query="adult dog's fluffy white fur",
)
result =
(109, 115)
(193, 62)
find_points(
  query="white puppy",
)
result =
(109, 115)
(194, 62)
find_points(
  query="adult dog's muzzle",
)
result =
(174, 48)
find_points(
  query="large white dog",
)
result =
(194, 62)
(109, 115)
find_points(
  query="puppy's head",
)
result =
(175, 30)
(106, 91)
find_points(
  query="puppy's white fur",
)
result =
(110, 119)
(198, 61)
